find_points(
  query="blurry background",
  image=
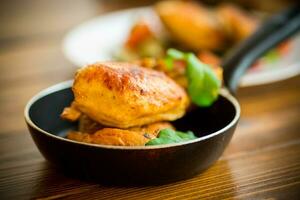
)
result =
(31, 34)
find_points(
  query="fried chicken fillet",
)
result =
(238, 24)
(136, 136)
(125, 95)
(191, 24)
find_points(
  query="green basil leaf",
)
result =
(168, 136)
(175, 54)
(169, 62)
(203, 84)
(271, 56)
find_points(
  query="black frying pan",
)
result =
(154, 164)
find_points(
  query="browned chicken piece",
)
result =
(126, 95)
(191, 24)
(209, 58)
(113, 136)
(237, 23)
(152, 129)
(87, 125)
(79, 136)
(71, 113)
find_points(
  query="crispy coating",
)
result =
(152, 129)
(110, 136)
(87, 125)
(125, 95)
(71, 113)
(138, 136)
(238, 23)
(192, 25)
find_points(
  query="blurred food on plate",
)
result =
(208, 30)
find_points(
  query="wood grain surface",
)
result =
(261, 162)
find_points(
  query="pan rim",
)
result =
(66, 84)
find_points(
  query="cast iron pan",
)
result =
(154, 164)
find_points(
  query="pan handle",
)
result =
(275, 30)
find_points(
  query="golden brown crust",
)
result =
(125, 95)
(137, 136)
(237, 23)
(71, 113)
(87, 125)
(110, 136)
(191, 24)
(152, 129)
(80, 137)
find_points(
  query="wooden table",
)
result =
(261, 162)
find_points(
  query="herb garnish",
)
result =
(167, 136)
(203, 84)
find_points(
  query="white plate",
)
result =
(97, 40)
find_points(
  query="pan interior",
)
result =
(45, 112)
(204, 121)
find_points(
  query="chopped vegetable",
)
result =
(203, 84)
(272, 56)
(167, 136)
(139, 33)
